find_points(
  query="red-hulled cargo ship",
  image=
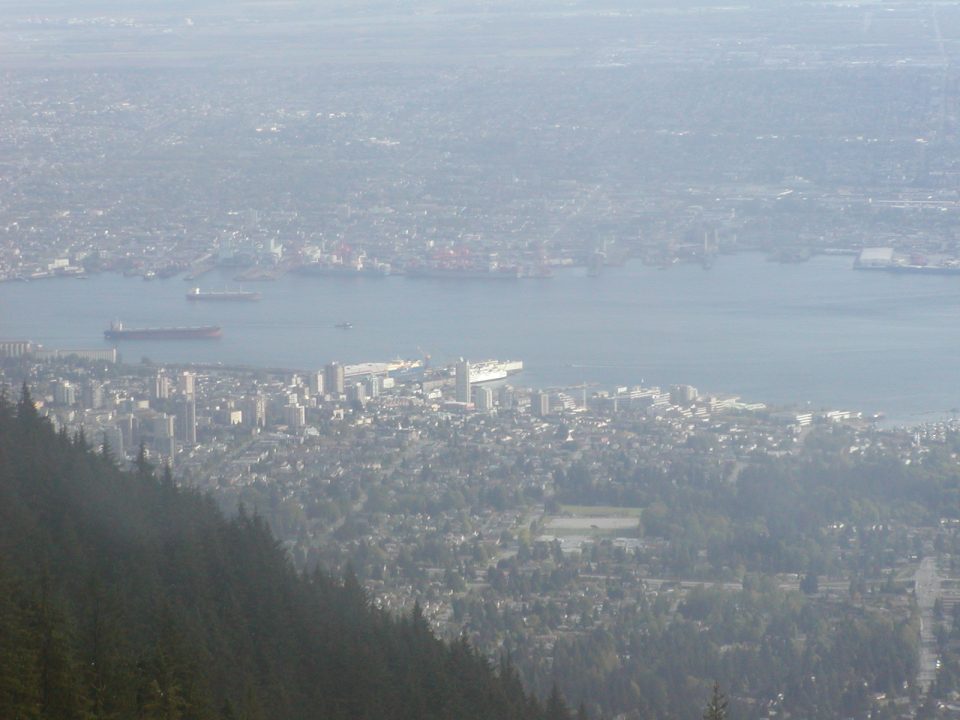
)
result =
(203, 332)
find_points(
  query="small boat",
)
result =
(344, 325)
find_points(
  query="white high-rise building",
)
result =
(188, 421)
(334, 379)
(483, 398)
(540, 403)
(463, 381)
(64, 393)
(683, 394)
(255, 411)
(316, 383)
(93, 395)
(188, 384)
(161, 387)
(295, 416)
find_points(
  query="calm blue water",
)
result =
(815, 332)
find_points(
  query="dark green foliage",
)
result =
(810, 584)
(122, 596)
(556, 708)
(759, 642)
(717, 706)
(19, 680)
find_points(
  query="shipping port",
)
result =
(343, 262)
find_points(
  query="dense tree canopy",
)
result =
(122, 596)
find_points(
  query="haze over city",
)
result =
(612, 339)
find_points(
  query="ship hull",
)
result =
(224, 297)
(913, 269)
(440, 274)
(342, 271)
(186, 333)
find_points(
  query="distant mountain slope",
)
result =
(122, 596)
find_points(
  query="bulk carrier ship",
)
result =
(117, 331)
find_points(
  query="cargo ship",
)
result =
(922, 269)
(887, 260)
(197, 295)
(117, 331)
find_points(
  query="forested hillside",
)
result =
(122, 596)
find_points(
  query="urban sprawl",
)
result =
(447, 492)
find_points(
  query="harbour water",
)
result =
(814, 333)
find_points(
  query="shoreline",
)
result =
(783, 333)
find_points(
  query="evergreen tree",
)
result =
(19, 681)
(142, 466)
(556, 708)
(106, 452)
(60, 693)
(717, 707)
(122, 596)
(26, 409)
